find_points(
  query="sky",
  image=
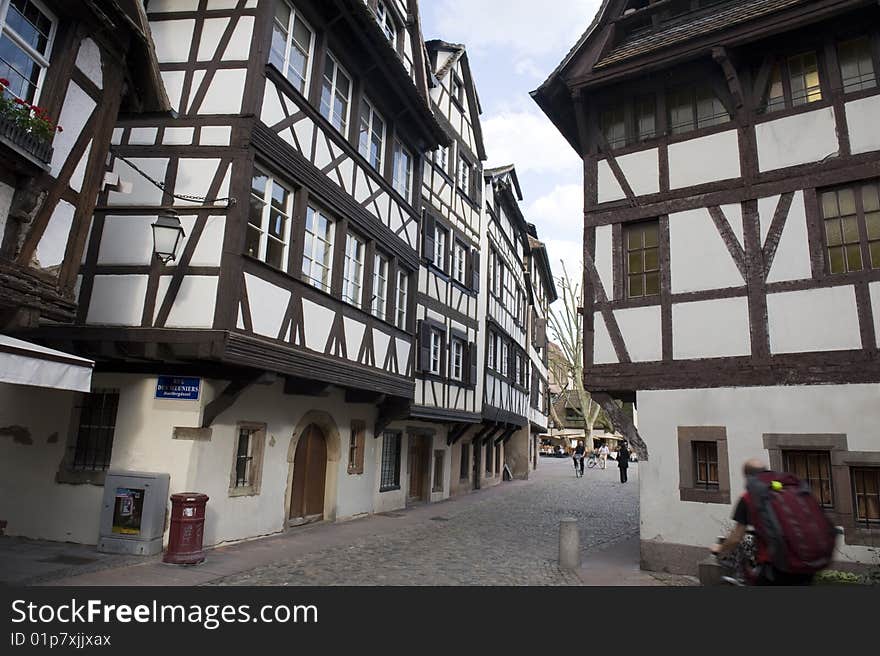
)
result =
(512, 51)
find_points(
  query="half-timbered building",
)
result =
(448, 374)
(732, 251)
(263, 362)
(509, 407)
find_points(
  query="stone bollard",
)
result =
(569, 544)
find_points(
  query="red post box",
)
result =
(187, 529)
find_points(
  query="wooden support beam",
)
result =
(456, 432)
(304, 387)
(391, 409)
(226, 399)
(622, 423)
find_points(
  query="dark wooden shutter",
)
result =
(428, 228)
(541, 333)
(475, 270)
(424, 335)
(472, 364)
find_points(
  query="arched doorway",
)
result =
(309, 477)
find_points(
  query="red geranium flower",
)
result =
(19, 101)
(60, 129)
(4, 81)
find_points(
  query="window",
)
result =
(436, 352)
(457, 372)
(497, 459)
(438, 471)
(25, 43)
(505, 357)
(457, 89)
(386, 22)
(465, 464)
(247, 461)
(371, 138)
(464, 175)
(814, 467)
(402, 296)
(613, 124)
(403, 171)
(856, 64)
(642, 259)
(441, 158)
(794, 82)
(318, 249)
(94, 436)
(356, 447)
(459, 263)
(489, 466)
(380, 286)
(866, 494)
(269, 217)
(292, 46)
(646, 120)
(518, 369)
(440, 235)
(390, 473)
(492, 347)
(706, 460)
(493, 271)
(353, 273)
(851, 216)
(335, 94)
(695, 107)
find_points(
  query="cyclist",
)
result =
(578, 457)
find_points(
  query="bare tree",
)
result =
(566, 323)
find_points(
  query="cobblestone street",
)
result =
(510, 537)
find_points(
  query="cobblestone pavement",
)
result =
(509, 538)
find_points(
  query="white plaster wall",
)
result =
(700, 259)
(604, 258)
(792, 261)
(53, 243)
(75, 112)
(194, 177)
(239, 45)
(711, 329)
(173, 39)
(782, 142)
(79, 173)
(214, 135)
(178, 136)
(641, 332)
(142, 192)
(747, 413)
(609, 187)
(126, 240)
(813, 320)
(318, 321)
(268, 304)
(603, 349)
(225, 92)
(173, 81)
(117, 300)
(861, 121)
(705, 159)
(30, 500)
(642, 171)
(194, 304)
(6, 194)
(874, 290)
(391, 499)
(88, 60)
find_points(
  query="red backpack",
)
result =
(799, 538)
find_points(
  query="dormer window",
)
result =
(386, 22)
(457, 89)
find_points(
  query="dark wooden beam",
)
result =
(622, 423)
(226, 398)
(456, 432)
(304, 387)
(391, 409)
(364, 396)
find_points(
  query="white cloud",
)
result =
(520, 25)
(528, 68)
(568, 251)
(529, 140)
(559, 213)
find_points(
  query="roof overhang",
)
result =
(23, 363)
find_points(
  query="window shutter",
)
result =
(472, 364)
(475, 270)
(424, 363)
(541, 333)
(428, 229)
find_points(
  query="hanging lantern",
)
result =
(167, 235)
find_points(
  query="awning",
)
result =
(23, 363)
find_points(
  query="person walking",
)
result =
(623, 460)
(578, 457)
(603, 455)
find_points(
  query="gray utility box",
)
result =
(133, 513)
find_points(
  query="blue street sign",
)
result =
(182, 389)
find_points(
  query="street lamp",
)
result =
(167, 235)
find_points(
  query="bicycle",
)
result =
(592, 461)
(576, 459)
(741, 562)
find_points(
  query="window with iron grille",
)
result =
(814, 467)
(438, 471)
(856, 64)
(866, 494)
(642, 244)
(247, 461)
(695, 107)
(465, 465)
(851, 217)
(390, 473)
(706, 459)
(94, 436)
(793, 81)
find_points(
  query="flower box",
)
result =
(12, 133)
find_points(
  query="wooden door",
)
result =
(418, 468)
(477, 448)
(309, 476)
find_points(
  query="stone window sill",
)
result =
(701, 495)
